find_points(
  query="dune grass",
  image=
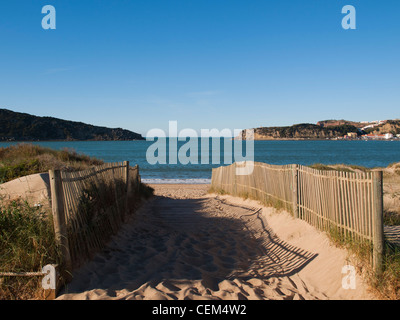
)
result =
(391, 218)
(388, 284)
(340, 167)
(25, 159)
(27, 244)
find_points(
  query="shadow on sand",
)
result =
(189, 240)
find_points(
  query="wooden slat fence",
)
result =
(345, 202)
(89, 207)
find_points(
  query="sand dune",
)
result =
(185, 244)
(34, 188)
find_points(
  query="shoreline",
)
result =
(30, 141)
(189, 181)
(258, 139)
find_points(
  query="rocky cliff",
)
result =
(301, 132)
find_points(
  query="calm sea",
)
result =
(364, 153)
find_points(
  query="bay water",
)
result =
(306, 152)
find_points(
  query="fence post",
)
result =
(126, 178)
(60, 227)
(234, 183)
(378, 233)
(138, 180)
(295, 184)
(128, 188)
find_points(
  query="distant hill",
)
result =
(15, 126)
(335, 123)
(302, 131)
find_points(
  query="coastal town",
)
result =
(355, 136)
(364, 133)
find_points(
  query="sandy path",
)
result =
(185, 244)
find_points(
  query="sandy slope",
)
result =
(34, 188)
(185, 244)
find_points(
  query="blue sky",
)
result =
(205, 63)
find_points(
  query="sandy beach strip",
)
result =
(187, 244)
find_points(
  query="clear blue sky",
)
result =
(205, 63)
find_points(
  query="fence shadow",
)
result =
(326, 198)
(277, 258)
(189, 240)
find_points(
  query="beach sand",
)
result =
(187, 244)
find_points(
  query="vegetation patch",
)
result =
(339, 167)
(217, 190)
(388, 284)
(24, 159)
(27, 244)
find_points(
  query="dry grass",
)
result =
(216, 190)
(388, 284)
(26, 245)
(339, 167)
